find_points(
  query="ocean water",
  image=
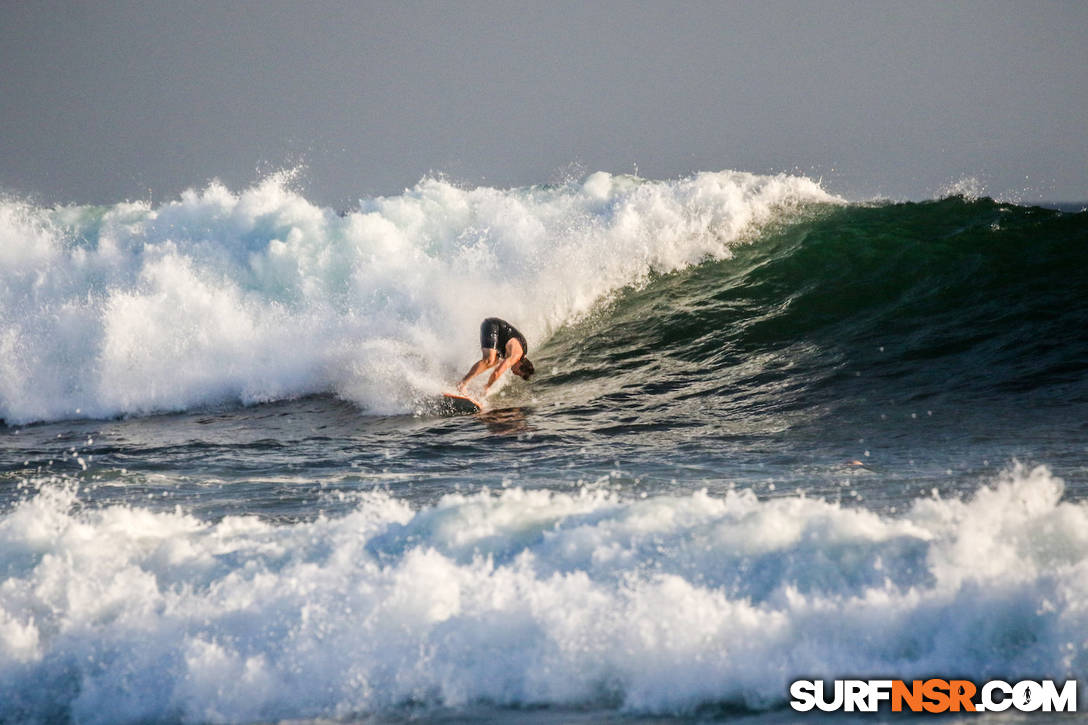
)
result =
(774, 435)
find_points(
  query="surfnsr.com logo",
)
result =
(933, 695)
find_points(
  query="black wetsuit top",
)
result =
(495, 333)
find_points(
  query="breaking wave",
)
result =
(260, 295)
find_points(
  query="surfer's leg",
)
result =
(488, 359)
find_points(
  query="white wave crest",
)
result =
(261, 295)
(527, 598)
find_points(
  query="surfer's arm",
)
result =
(513, 354)
(506, 365)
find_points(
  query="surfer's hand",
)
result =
(461, 388)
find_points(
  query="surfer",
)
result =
(499, 340)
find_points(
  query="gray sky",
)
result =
(103, 100)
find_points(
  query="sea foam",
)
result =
(588, 599)
(259, 295)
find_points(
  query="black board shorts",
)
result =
(495, 333)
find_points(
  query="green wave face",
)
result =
(968, 303)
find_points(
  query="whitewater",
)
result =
(526, 598)
(774, 435)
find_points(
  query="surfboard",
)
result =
(456, 404)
